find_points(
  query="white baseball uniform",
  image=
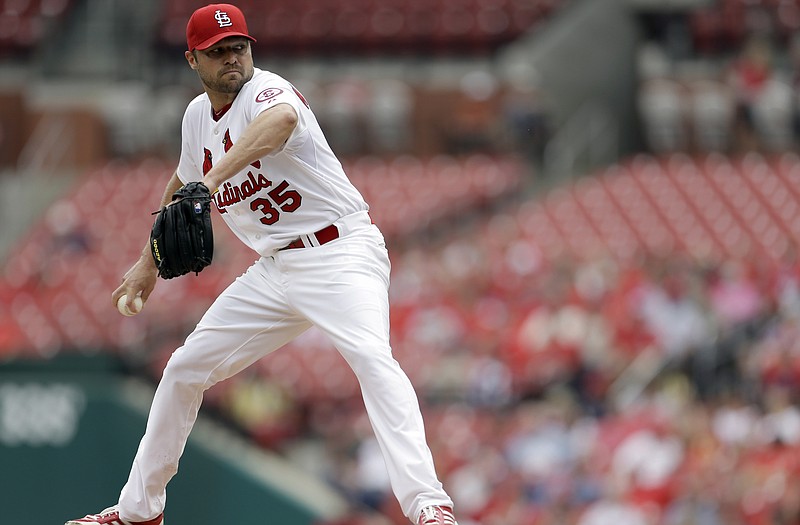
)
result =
(335, 277)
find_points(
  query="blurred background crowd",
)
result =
(592, 208)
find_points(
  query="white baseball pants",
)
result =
(342, 288)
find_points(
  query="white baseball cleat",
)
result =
(110, 516)
(436, 515)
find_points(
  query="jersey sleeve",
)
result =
(273, 91)
(188, 168)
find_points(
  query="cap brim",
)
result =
(205, 44)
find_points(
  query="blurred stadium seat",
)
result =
(24, 23)
(375, 26)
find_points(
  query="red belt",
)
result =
(323, 236)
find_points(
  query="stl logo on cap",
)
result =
(210, 24)
(223, 19)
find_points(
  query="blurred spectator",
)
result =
(781, 421)
(69, 240)
(489, 382)
(473, 124)
(661, 101)
(712, 109)
(343, 115)
(372, 478)
(263, 408)
(473, 483)
(794, 69)
(662, 107)
(734, 297)
(672, 313)
(389, 118)
(775, 358)
(693, 505)
(749, 76)
(734, 422)
(613, 508)
(68, 228)
(787, 284)
(539, 447)
(525, 114)
(647, 460)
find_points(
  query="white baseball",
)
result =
(138, 304)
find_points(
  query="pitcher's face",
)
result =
(224, 67)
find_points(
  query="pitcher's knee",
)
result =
(377, 366)
(183, 372)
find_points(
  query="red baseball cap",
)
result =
(210, 24)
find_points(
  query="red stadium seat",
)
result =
(360, 27)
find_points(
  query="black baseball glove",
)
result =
(181, 240)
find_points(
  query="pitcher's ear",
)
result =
(191, 57)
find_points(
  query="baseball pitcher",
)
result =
(252, 146)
